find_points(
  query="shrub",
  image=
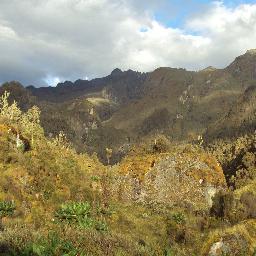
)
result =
(80, 214)
(61, 141)
(237, 158)
(73, 211)
(24, 127)
(9, 113)
(177, 229)
(95, 178)
(161, 144)
(179, 218)
(6, 208)
(225, 206)
(168, 252)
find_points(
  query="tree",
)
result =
(9, 113)
(31, 123)
(27, 124)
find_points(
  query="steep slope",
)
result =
(240, 118)
(118, 86)
(182, 104)
(182, 99)
(122, 108)
(243, 68)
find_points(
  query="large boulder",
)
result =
(186, 176)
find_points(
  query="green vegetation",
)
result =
(179, 218)
(6, 208)
(51, 245)
(54, 201)
(79, 214)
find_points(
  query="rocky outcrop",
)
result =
(186, 177)
(238, 240)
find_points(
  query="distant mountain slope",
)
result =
(120, 86)
(122, 108)
(239, 119)
(18, 93)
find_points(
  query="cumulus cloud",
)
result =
(232, 31)
(43, 42)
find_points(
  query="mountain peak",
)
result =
(251, 52)
(65, 84)
(12, 84)
(116, 71)
(209, 69)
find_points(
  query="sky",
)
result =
(46, 42)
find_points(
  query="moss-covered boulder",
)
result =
(184, 176)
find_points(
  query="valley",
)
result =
(158, 163)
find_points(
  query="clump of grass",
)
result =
(179, 218)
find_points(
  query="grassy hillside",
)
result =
(162, 199)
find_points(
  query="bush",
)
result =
(178, 229)
(73, 211)
(80, 214)
(161, 144)
(237, 158)
(225, 206)
(27, 123)
(179, 218)
(6, 208)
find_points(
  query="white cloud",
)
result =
(70, 39)
(219, 19)
(6, 33)
(231, 30)
(52, 80)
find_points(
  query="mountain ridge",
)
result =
(128, 105)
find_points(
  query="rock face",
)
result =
(231, 245)
(184, 177)
(187, 177)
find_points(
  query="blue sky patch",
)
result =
(143, 29)
(176, 12)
